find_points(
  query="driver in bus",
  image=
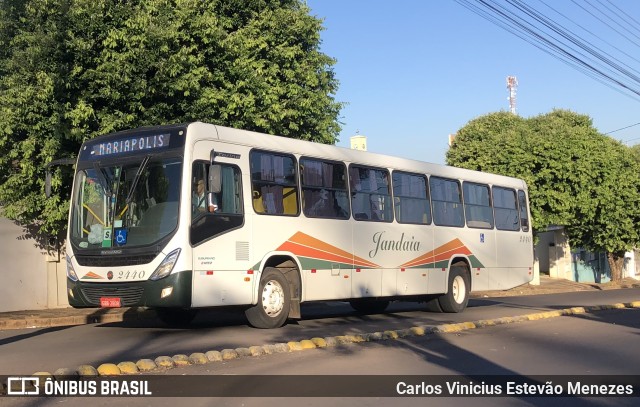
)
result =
(199, 199)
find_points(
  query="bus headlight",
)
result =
(71, 273)
(164, 269)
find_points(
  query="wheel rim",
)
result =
(272, 298)
(458, 290)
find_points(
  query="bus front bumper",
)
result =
(171, 291)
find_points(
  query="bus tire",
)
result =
(457, 296)
(369, 306)
(274, 301)
(176, 317)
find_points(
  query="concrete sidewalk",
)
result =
(71, 316)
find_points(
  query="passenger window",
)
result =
(447, 202)
(324, 189)
(274, 183)
(411, 201)
(370, 194)
(524, 211)
(477, 205)
(505, 209)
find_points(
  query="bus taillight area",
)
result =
(172, 291)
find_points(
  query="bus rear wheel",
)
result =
(369, 306)
(274, 301)
(457, 296)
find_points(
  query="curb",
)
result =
(93, 317)
(163, 363)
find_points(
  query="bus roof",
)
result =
(332, 152)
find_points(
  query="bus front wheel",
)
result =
(457, 296)
(274, 301)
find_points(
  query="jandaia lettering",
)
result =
(400, 245)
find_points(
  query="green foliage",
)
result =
(635, 151)
(74, 69)
(577, 177)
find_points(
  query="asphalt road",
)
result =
(562, 350)
(27, 351)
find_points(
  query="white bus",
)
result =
(184, 217)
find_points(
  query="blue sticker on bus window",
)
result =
(120, 236)
(481, 237)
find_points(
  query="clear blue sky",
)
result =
(414, 71)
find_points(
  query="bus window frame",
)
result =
(205, 219)
(257, 194)
(461, 203)
(490, 206)
(353, 191)
(427, 192)
(523, 227)
(346, 190)
(517, 209)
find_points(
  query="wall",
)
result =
(632, 264)
(590, 267)
(554, 254)
(31, 279)
(558, 260)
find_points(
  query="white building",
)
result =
(359, 142)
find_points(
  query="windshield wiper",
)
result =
(136, 179)
(104, 183)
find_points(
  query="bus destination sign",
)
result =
(131, 145)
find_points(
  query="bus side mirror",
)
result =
(47, 184)
(47, 179)
(215, 180)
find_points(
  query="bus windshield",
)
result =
(128, 205)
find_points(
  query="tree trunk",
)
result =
(616, 262)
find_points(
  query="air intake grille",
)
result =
(128, 295)
(114, 261)
(242, 251)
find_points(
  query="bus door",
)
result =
(219, 234)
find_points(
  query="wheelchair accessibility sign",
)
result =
(120, 236)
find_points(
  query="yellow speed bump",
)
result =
(109, 369)
(146, 365)
(181, 360)
(87, 370)
(128, 367)
(319, 342)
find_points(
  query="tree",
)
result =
(577, 177)
(74, 69)
(611, 225)
(635, 151)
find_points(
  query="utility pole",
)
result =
(512, 85)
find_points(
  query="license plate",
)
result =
(110, 302)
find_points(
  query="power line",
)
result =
(602, 21)
(591, 32)
(551, 37)
(621, 17)
(623, 128)
(625, 13)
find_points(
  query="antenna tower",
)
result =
(512, 85)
